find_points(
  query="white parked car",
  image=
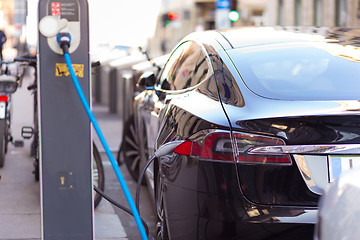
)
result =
(339, 209)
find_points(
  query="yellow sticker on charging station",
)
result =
(63, 71)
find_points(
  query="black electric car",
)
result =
(264, 115)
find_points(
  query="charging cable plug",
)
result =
(64, 39)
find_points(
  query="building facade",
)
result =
(252, 12)
(12, 21)
(6, 13)
(198, 15)
(329, 13)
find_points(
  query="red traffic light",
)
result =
(172, 15)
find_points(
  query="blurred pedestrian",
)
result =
(2, 42)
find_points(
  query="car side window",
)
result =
(226, 86)
(167, 75)
(187, 68)
(202, 69)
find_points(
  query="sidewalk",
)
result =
(20, 193)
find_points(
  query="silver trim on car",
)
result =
(338, 149)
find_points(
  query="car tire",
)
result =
(130, 148)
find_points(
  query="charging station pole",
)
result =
(65, 130)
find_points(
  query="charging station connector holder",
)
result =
(50, 26)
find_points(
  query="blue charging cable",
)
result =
(64, 41)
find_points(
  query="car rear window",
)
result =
(300, 71)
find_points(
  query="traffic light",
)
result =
(233, 6)
(168, 17)
(234, 14)
(172, 15)
(165, 19)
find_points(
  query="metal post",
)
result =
(113, 91)
(65, 130)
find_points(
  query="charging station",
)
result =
(65, 130)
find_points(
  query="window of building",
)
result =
(297, 14)
(340, 13)
(318, 15)
(280, 12)
(257, 13)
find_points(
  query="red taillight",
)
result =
(4, 98)
(220, 146)
(215, 146)
(188, 148)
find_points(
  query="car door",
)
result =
(179, 75)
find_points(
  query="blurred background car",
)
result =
(266, 115)
(339, 209)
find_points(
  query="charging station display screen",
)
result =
(64, 9)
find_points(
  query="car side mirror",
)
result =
(146, 80)
(165, 85)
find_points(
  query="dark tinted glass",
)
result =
(300, 71)
(182, 76)
(226, 85)
(201, 70)
(187, 67)
(171, 68)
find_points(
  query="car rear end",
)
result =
(315, 149)
(301, 129)
(294, 134)
(217, 187)
(263, 179)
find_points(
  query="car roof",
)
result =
(254, 36)
(242, 37)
